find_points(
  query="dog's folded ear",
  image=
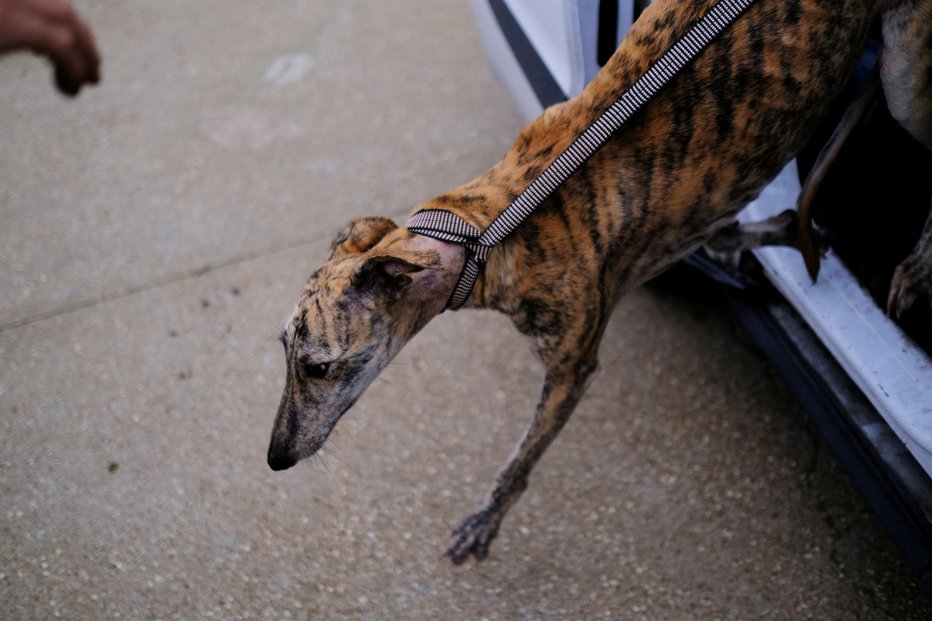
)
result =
(385, 277)
(361, 235)
(382, 277)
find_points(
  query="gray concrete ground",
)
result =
(155, 234)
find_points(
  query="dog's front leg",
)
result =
(563, 388)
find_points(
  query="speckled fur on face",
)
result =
(659, 189)
(354, 315)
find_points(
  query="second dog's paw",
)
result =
(473, 537)
(912, 281)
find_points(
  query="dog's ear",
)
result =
(385, 277)
(361, 235)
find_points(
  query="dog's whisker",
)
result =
(332, 454)
(317, 463)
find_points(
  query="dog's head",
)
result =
(380, 285)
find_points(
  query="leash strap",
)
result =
(449, 227)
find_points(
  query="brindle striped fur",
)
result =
(658, 190)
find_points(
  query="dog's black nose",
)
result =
(280, 460)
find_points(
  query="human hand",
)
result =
(53, 29)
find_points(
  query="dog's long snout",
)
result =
(280, 459)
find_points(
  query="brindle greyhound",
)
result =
(659, 189)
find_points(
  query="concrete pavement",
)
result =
(156, 232)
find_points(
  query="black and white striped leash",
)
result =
(448, 227)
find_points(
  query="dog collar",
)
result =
(449, 227)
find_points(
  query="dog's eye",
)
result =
(316, 370)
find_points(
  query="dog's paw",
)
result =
(912, 281)
(473, 537)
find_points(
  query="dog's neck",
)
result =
(480, 201)
(477, 203)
